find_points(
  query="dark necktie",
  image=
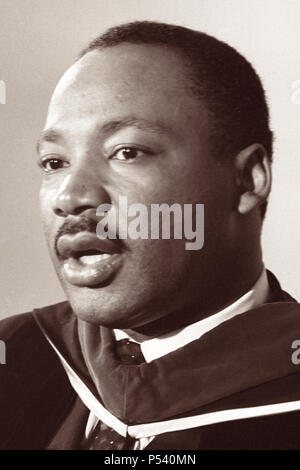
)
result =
(103, 437)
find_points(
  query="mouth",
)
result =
(88, 261)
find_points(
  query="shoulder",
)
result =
(25, 344)
(32, 380)
(27, 350)
(277, 294)
(26, 347)
(16, 326)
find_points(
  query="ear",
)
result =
(253, 177)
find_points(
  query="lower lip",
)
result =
(91, 271)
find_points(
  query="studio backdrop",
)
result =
(39, 39)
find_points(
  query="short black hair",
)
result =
(220, 76)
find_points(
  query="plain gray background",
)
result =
(39, 39)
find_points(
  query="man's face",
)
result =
(123, 122)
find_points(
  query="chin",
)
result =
(120, 304)
(101, 308)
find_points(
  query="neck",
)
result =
(220, 296)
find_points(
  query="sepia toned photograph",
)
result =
(150, 227)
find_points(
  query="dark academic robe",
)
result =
(244, 362)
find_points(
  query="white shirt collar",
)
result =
(157, 347)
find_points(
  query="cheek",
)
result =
(47, 215)
(156, 260)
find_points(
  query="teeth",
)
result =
(91, 259)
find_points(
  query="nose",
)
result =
(79, 191)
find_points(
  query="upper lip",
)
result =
(83, 243)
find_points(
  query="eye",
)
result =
(127, 154)
(52, 164)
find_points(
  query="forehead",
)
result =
(148, 82)
(124, 68)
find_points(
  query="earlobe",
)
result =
(253, 177)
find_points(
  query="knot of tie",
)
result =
(130, 353)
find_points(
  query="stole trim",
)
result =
(154, 429)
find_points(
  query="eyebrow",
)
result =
(142, 124)
(48, 135)
(55, 135)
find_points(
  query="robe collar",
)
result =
(244, 352)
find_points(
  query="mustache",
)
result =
(84, 224)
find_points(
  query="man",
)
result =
(158, 114)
